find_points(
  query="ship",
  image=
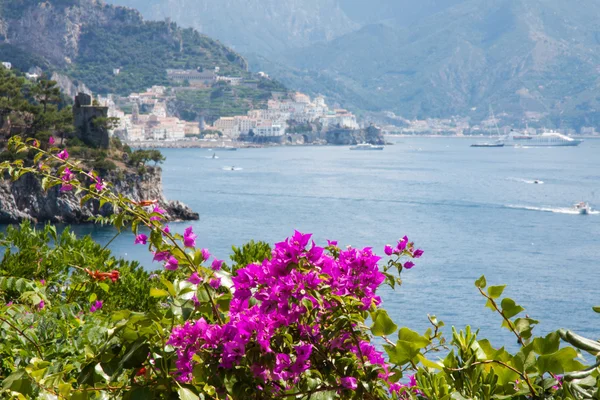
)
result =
(546, 139)
(366, 146)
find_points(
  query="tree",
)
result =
(46, 92)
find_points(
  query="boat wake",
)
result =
(211, 157)
(529, 181)
(557, 210)
(232, 169)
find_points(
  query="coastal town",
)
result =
(149, 118)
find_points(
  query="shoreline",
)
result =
(224, 145)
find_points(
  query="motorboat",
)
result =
(583, 208)
(225, 148)
(366, 146)
(496, 144)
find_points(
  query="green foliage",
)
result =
(251, 252)
(142, 157)
(220, 101)
(144, 50)
(44, 254)
(76, 322)
(32, 109)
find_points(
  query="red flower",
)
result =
(114, 275)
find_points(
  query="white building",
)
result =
(269, 130)
(232, 80)
(7, 65)
(227, 126)
(160, 109)
(245, 124)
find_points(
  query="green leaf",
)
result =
(510, 308)
(402, 353)
(169, 286)
(430, 364)
(324, 396)
(155, 292)
(382, 324)
(136, 355)
(19, 382)
(408, 335)
(560, 362)
(547, 345)
(524, 326)
(496, 291)
(596, 309)
(480, 283)
(93, 297)
(187, 394)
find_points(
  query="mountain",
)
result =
(535, 60)
(254, 26)
(87, 39)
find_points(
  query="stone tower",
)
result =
(135, 113)
(90, 122)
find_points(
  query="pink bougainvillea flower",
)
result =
(41, 305)
(100, 186)
(166, 229)
(402, 244)
(349, 383)
(205, 254)
(63, 155)
(141, 239)
(157, 210)
(161, 256)
(418, 253)
(216, 264)
(66, 188)
(409, 264)
(67, 175)
(189, 238)
(272, 295)
(172, 264)
(36, 143)
(51, 141)
(96, 306)
(43, 282)
(331, 243)
(215, 283)
(195, 279)
(388, 250)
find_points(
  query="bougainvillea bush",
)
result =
(298, 320)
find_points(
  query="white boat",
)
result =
(225, 148)
(546, 139)
(583, 208)
(366, 146)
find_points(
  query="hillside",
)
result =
(536, 60)
(265, 27)
(87, 40)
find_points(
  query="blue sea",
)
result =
(475, 211)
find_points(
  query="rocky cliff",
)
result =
(26, 200)
(87, 40)
(342, 136)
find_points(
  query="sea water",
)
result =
(475, 211)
